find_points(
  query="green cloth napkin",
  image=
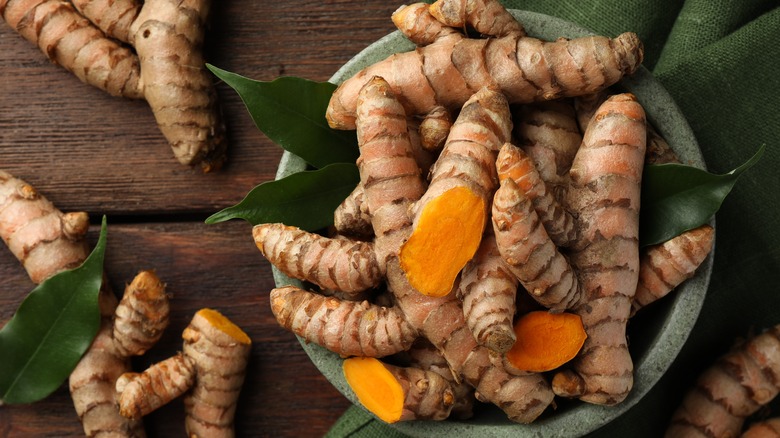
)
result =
(720, 60)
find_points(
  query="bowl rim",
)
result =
(683, 307)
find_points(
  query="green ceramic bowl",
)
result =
(657, 333)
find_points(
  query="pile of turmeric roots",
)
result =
(490, 251)
(150, 49)
(108, 398)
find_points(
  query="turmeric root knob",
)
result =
(395, 393)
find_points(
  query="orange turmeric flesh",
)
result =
(221, 323)
(446, 237)
(545, 340)
(376, 388)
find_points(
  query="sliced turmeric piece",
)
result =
(452, 214)
(395, 393)
(445, 239)
(545, 341)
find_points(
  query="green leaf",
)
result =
(51, 330)
(677, 198)
(305, 199)
(291, 112)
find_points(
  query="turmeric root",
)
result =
(451, 216)
(434, 129)
(488, 17)
(447, 71)
(549, 134)
(167, 379)
(209, 372)
(396, 393)
(388, 171)
(733, 388)
(168, 36)
(769, 428)
(529, 252)
(343, 264)
(514, 164)
(70, 40)
(416, 23)
(605, 191)
(47, 241)
(351, 217)
(665, 266)
(113, 17)
(168, 70)
(545, 341)
(349, 328)
(424, 355)
(487, 290)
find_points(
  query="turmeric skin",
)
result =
(545, 341)
(343, 264)
(529, 253)
(396, 393)
(548, 133)
(488, 17)
(513, 163)
(736, 386)
(424, 355)
(605, 191)
(487, 290)
(70, 40)
(389, 172)
(349, 328)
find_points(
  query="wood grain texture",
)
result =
(92, 152)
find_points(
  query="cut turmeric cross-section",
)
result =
(395, 393)
(545, 341)
(445, 239)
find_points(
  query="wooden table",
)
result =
(88, 151)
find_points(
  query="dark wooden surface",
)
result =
(92, 152)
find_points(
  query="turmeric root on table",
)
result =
(46, 242)
(447, 71)
(209, 372)
(733, 388)
(166, 66)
